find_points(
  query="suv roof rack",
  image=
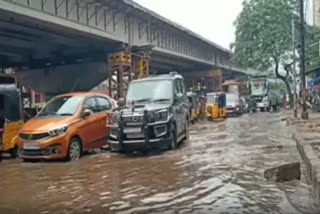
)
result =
(173, 73)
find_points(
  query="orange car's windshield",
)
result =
(62, 106)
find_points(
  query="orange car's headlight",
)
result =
(58, 131)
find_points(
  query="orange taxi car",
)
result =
(67, 126)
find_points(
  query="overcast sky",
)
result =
(212, 19)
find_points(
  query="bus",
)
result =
(266, 92)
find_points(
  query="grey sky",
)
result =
(212, 19)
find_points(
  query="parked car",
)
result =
(67, 126)
(234, 104)
(155, 115)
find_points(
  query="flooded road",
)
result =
(220, 170)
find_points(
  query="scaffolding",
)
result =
(120, 74)
(125, 66)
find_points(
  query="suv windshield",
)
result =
(62, 106)
(151, 90)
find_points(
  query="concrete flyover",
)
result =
(50, 39)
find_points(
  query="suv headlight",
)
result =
(265, 99)
(161, 115)
(151, 117)
(58, 131)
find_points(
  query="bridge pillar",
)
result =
(204, 81)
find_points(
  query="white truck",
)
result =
(266, 92)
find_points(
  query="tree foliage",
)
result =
(263, 35)
(263, 32)
(313, 55)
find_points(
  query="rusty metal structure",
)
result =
(125, 66)
(120, 73)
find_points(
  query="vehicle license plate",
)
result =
(31, 146)
(135, 135)
(132, 130)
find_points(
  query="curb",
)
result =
(312, 163)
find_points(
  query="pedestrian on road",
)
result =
(285, 103)
(202, 107)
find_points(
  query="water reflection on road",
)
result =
(220, 170)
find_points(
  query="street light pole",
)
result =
(304, 114)
(294, 70)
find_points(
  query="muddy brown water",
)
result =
(220, 170)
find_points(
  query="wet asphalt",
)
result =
(220, 170)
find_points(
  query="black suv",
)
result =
(154, 117)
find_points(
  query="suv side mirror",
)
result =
(121, 102)
(86, 113)
(178, 97)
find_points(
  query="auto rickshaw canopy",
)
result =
(217, 98)
(10, 102)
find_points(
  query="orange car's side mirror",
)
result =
(86, 113)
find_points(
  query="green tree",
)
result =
(313, 55)
(263, 36)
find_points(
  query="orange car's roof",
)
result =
(82, 94)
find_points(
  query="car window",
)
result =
(103, 104)
(182, 87)
(91, 104)
(177, 89)
(66, 105)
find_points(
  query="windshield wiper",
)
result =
(142, 100)
(65, 114)
(162, 100)
(47, 113)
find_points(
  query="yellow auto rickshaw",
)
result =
(194, 106)
(10, 117)
(216, 106)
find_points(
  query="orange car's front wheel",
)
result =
(74, 151)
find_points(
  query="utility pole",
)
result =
(304, 114)
(295, 111)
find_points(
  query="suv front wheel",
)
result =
(186, 132)
(173, 141)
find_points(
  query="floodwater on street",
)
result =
(220, 170)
